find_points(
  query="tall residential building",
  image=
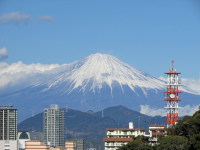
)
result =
(53, 126)
(8, 128)
(8, 123)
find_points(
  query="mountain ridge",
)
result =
(92, 127)
(96, 82)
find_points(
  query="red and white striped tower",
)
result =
(172, 96)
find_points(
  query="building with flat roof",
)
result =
(155, 131)
(70, 145)
(8, 123)
(40, 145)
(36, 145)
(53, 126)
(117, 137)
(8, 128)
(75, 144)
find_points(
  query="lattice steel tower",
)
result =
(172, 96)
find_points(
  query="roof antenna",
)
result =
(33, 113)
(66, 109)
(172, 65)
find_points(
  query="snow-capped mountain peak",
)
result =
(98, 69)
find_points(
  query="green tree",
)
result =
(172, 143)
(139, 143)
(189, 127)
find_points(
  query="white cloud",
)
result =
(189, 85)
(15, 17)
(21, 75)
(147, 110)
(18, 18)
(3, 53)
(193, 84)
(186, 110)
(46, 18)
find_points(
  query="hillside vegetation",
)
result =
(185, 135)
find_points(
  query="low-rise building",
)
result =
(117, 137)
(75, 145)
(155, 131)
(40, 145)
(22, 138)
(70, 145)
(36, 145)
(8, 145)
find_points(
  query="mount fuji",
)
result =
(94, 83)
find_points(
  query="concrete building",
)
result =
(8, 123)
(36, 145)
(8, 145)
(117, 137)
(22, 138)
(39, 145)
(36, 136)
(53, 126)
(75, 145)
(70, 145)
(80, 144)
(8, 128)
(155, 131)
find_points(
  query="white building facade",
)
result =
(53, 126)
(8, 145)
(117, 137)
(155, 131)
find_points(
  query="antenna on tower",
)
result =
(102, 114)
(66, 109)
(33, 113)
(172, 65)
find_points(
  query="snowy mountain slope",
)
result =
(99, 69)
(94, 83)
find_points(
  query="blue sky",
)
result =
(145, 34)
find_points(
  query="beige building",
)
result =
(36, 145)
(70, 145)
(39, 145)
(117, 137)
(75, 145)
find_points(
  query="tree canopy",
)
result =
(185, 135)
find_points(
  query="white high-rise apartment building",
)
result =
(53, 126)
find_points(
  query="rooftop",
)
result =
(117, 139)
(125, 129)
(6, 107)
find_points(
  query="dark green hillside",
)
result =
(32, 123)
(189, 128)
(77, 125)
(91, 126)
(123, 115)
